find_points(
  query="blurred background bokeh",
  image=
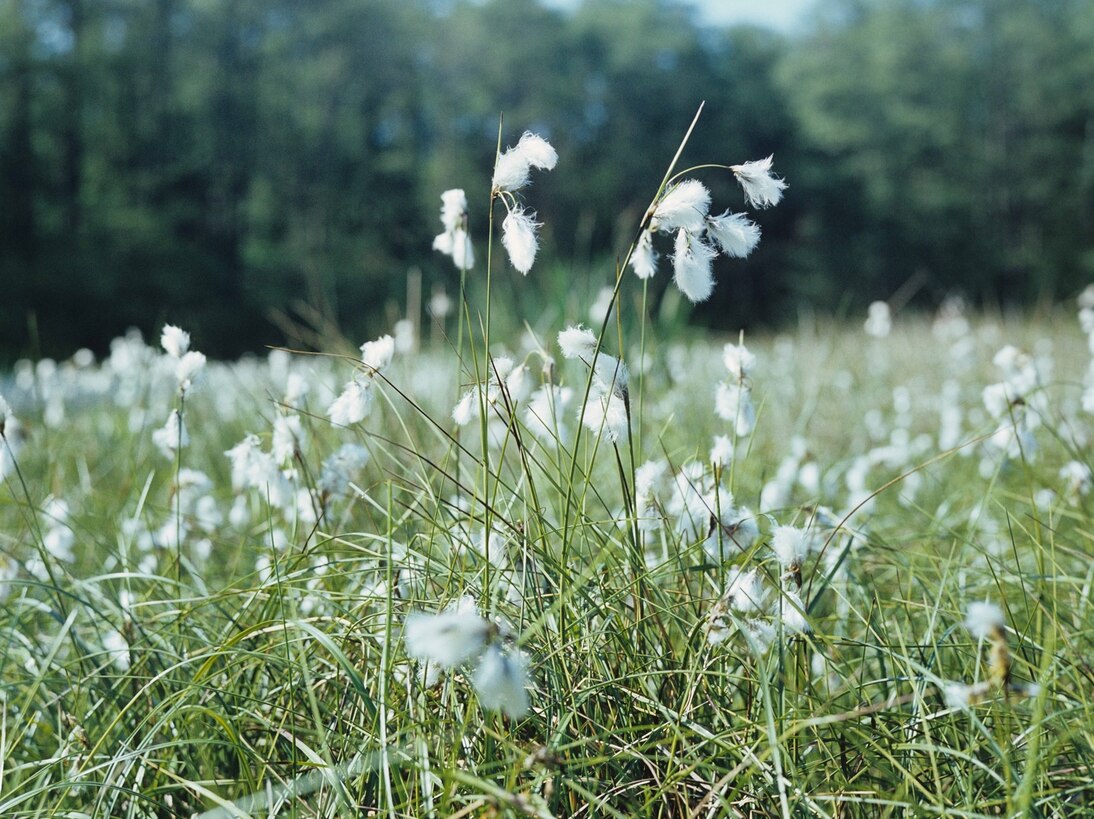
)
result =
(242, 167)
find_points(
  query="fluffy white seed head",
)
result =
(577, 342)
(644, 258)
(453, 209)
(188, 368)
(172, 436)
(377, 355)
(738, 360)
(683, 207)
(984, 619)
(519, 238)
(352, 405)
(500, 681)
(511, 172)
(734, 233)
(761, 188)
(448, 639)
(789, 545)
(746, 591)
(174, 341)
(537, 151)
(879, 320)
(691, 265)
(792, 612)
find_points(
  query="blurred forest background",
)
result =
(212, 162)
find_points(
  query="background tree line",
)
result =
(213, 161)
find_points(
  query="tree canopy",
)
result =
(213, 161)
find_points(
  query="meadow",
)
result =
(568, 562)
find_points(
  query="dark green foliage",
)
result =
(212, 162)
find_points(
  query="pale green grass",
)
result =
(289, 693)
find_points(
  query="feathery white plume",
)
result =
(448, 639)
(352, 405)
(537, 151)
(761, 188)
(644, 258)
(691, 265)
(500, 681)
(511, 173)
(683, 206)
(175, 341)
(984, 619)
(519, 238)
(377, 355)
(734, 233)
(577, 342)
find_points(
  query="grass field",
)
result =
(732, 583)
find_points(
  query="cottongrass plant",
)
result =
(570, 572)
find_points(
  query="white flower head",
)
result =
(738, 360)
(984, 620)
(537, 151)
(519, 238)
(577, 342)
(683, 207)
(172, 436)
(512, 171)
(879, 320)
(691, 264)
(450, 638)
(792, 613)
(734, 233)
(746, 591)
(606, 413)
(175, 341)
(377, 355)
(721, 453)
(341, 467)
(644, 258)
(188, 368)
(761, 188)
(453, 209)
(789, 545)
(501, 681)
(352, 405)
(466, 408)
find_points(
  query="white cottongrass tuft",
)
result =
(789, 545)
(172, 436)
(512, 171)
(537, 151)
(352, 405)
(174, 340)
(519, 238)
(734, 233)
(746, 591)
(879, 320)
(377, 355)
(683, 207)
(644, 258)
(501, 680)
(188, 368)
(721, 452)
(691, 264)
(984, 619)
(341, 467)
(761, 188)
(449, 639)
(733, 402)
(453, 209)
(738, 360)
(792, 613)
(606, 413)
(455, 241)
(577, 342)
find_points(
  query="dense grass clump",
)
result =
(828, 573)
